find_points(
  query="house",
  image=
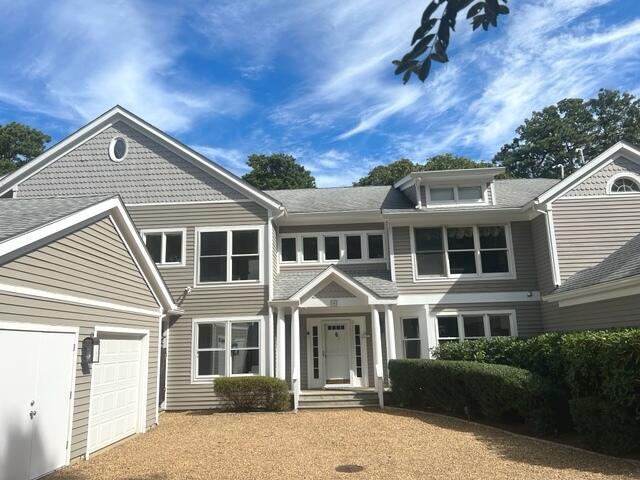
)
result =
(322, 286)
(74, 273)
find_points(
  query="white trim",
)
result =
(112, 148)
(403, 339)
(634, 177)
(144, 335)
(36, 327)
(111, 117)
(456, 202)
(342, 278)
(227, 320)
(158, 362)
(198, 202)
(65, 298)
(551, 231)
(163, 232)
(595, 293)
(484, 297)
(229, 255)
(459, 313)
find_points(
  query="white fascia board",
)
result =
(584, 171)
(458, 215)
(596, 293)
(335, 274)
(462, 298)
(320, 218)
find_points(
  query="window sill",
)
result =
(242, 283)
(170, 265)
(464, 278)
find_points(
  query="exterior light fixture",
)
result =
(90, 350)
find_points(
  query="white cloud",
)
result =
(230, 158)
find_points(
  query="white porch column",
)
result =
(281, 369)
(295, 355)
(391, 333)
(271, 348)
(378, 371)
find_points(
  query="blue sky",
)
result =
(311, 78)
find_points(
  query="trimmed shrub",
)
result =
(477, 390)
(254, 393)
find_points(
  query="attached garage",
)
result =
(81, 309)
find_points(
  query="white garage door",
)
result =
(116, 390)
(36, 370)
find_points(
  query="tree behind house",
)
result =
(18, 144)
(277, 171)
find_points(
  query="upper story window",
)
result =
(455, 194)
(118, 149)
(454, 327)
(625, 185)
(333, 247)
(228, 255)
(462, 251)
(166, 247)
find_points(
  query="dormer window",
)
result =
(625, 185)
(455, 194)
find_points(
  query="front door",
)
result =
(337, 353)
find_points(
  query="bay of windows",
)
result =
(332, 247)
(468, 326)
(228, 255)
(224, 348)
(454, 251)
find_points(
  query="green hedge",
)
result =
(599, 370)
(477, 390)
(254, 393)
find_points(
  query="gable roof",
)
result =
(341, 199)
(35, 222)
(587, 169)
(115, 115)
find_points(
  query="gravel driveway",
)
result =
(389, 444)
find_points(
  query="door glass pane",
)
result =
(447, 327)
(288, 249)
(244, 334)
(211, 363)
(494, 261)
(460, 238)
(430, 263)
(412, 348)
(332, 248)
(469, 193)
(245, 268)
(462, 262)
(376, 247)
(442, 194)
(492, 237)
(410, 328)
(500, 325)
(245, 361)
(473, 325)
(245, 241)
(211, 335)
(428, 239)
(213, 269)
(213, 243)
(154, 246)
(354, 247)
(310, 248)
(173, 247)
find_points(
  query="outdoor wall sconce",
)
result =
(90, 350)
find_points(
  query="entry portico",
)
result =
(335, 335)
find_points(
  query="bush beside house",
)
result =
(598, 370)
(254, 393)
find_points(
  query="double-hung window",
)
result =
(166, 247)
(471, 325)
(231, 255)
(429, 251)
(226, 347)
(411, 337)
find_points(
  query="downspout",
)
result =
(551, 243)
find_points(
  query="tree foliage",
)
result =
(18, 144)
(391, 173)
(431, 39)
(555, 135)
(277, 171)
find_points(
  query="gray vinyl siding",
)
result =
(542, 254)
(236, 300)
(587, 230)
(16, 308)
(596, 184)
(528, 314)
(618, 312)
(149, 173)
(525, 263)
(92, 263)
(410, 193)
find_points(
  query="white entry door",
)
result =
(116, 390)
(36, 371)
(337, 353)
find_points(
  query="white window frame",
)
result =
(404, 339)
(163, 231)
(456, 201)
(460, 314)
(623, 175)
(228, 282)
(479, 275)
(228, 321)
(342, 240)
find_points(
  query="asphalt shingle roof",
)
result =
(517, 192)
(18, 216)
(376, 280)
(341, 199)
(623, 263)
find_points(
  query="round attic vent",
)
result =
(118, 149)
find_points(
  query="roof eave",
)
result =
(593, 293)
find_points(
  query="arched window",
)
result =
(625, 185)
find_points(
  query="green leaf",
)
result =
(503, 10)
(432, 7)
(423, 70)
(422, 30)
(406, 76)
(420, 47)
(477, 8)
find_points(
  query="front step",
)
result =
(338, 399)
